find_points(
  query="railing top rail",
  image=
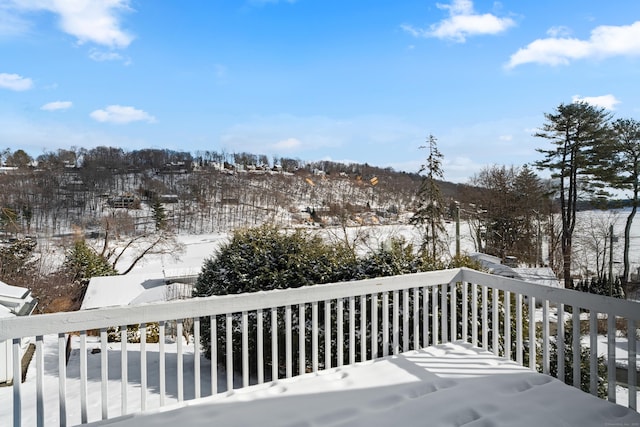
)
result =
(599, 303)
(18, 327)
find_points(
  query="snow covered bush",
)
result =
(267, 258)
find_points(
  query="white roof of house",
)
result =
(13, 291)
(5, 312)
(132, 289)
(109, 291)
(539, 275)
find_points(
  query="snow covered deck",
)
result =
(451, 384)
(456, 336)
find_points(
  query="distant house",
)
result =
(134, 289)
(540, 275)
(14, 301)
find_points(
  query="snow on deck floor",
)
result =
(449, 384)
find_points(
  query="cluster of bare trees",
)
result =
(79, 187)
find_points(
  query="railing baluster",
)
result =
(352, 330)
(245, 349)
(39, 381)
(374, 326)
(162, 361)
(611, 356)
(327, 334)
(465, 311)
(416, 318)
(229, 348)
(314, 336)
(62, 378)
(474, 314)
(385, 324)
(260, 344)
(196, 357)
(485, 318)
(340, 331)
(519, 330)
(17, 382)
(143, 366)
(593, 356)
(179, 361)
(425, 316)
(453, 289)
(575, 346)
(288, 343)
(124, 369)
(363, 328)
(396, 326)
(507, 325)
(545, 337)
(560, 342)
(213, 345)
(532, 333)
(632, 368)
(83, 377)
(434, 315)
(302, 321)
(444, 334)
(274, 344)
(495, 322)
(405, 320)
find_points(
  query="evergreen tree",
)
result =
(159, 214)
(619, 167)
(430, 207)
(82, 262)
(575, 131)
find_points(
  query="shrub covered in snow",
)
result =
(267, 258)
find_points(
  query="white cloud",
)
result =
(11, 24)
(101, 56)
(559, 31)
(462, 23)
(120, 114)
(15, 82)
(605, 41)
(608, 102)
(506, 137)
(287, 144)
(57, 106)
(95, 21)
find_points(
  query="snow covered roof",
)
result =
(539, 275)
(5, 312)
(128, 289)
(13, 291)
(16, 300)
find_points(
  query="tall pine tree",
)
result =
(575, 131)
(430, 208)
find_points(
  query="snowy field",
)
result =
(589, 234)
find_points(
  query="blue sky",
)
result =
(362, 81)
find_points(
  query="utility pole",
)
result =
(457, 230)
(611, 260)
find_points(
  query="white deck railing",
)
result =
(312, 328)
